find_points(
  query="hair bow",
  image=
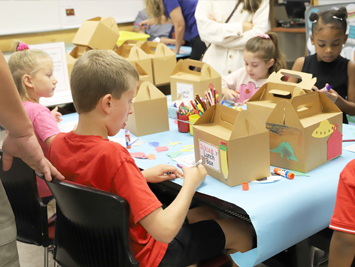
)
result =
(265, 36)
(22, 46)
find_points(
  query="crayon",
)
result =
(179, 165)
(284, 173)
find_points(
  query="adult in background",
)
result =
(160, 31)
(225, 38)
(20, 142)
(182, 14)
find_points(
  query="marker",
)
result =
(284, 173)
(179, 165)
(128, 139)
(197, 163)
(328, 87)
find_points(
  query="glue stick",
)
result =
(128, 139)
(284, 173)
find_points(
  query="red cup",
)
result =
(183, 127)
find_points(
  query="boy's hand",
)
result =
(195, 175)
(57, 115)
(161, 173)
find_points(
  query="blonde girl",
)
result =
(32, 71)
(262, 57)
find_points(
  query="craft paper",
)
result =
(151, 156)
(285, 149)
(138, 143)
(188, 148)
(173, 155)
(154, 144)
(300, 173)
(334, 143)
(173, 143)
(188, 160)
(121, 141)
(161, 149)
(139, 155)
(270, 179)
(324, 129)
(224, 160)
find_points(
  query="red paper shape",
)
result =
(334, 143)
(139, 155)
(161, 149)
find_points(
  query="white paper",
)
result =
(66, 127)
(188, 160)
(69, 15)
(211, 155)
(62, 93)
(184, 91)
(350, 148)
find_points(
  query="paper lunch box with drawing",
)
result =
(234, 143)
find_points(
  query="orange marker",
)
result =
(245, 186)
(284, 173)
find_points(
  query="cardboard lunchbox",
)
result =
(305, 133)
(150, 111)
(274, 90)
(163, 61)
(186, 83)
(234, 145)
(139, 59)
(70, 63)
(98, 33)
(79, 50)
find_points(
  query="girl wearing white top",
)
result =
(227, 40)
(262, 57)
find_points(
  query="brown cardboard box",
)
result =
(150, 111)
(163, 61)
(265, 99)
(79, 50)
(247, 155)
(139, 59)
(98, 33)
(70, 63)
(305, 133)
(186, 83)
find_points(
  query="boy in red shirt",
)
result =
(103, 85)
(342, 245)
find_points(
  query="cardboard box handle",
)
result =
(227, 119)
(280, 94)
(306, 82)
(307, 105)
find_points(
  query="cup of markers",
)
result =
(183, 118)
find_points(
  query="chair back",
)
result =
(91, 228)
(30, 213)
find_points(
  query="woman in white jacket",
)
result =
(227, 40)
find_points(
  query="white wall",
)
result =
(17, 17)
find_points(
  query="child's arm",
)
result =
(229, 85)
(297, 66)
(57, 115)
(49, 140)
(161, 173)
(342, 249)
(164, 224)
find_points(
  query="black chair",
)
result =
(30, 213)
(91, 227)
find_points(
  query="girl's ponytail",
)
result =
(279, 58)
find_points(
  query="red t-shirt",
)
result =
(343, 218)
(100, 163)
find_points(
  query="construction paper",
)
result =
(173, 143)
(151, 156)
(324, 129)
(173, 155)
(334, 143)
(138, 142)
(188, 148)
(188, 160)
(154, 144)
(300, 173)
(224, 160)
(139, 155)
(285, 149)
(161, 149)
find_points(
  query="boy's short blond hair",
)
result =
(97, 73)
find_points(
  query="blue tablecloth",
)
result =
(283, 213)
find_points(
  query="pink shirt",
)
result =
(241, 81)
(45, 126)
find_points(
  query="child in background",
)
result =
(262, 57)
(103, 85)
(32, 71)
(327, 65)
(342, 245)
